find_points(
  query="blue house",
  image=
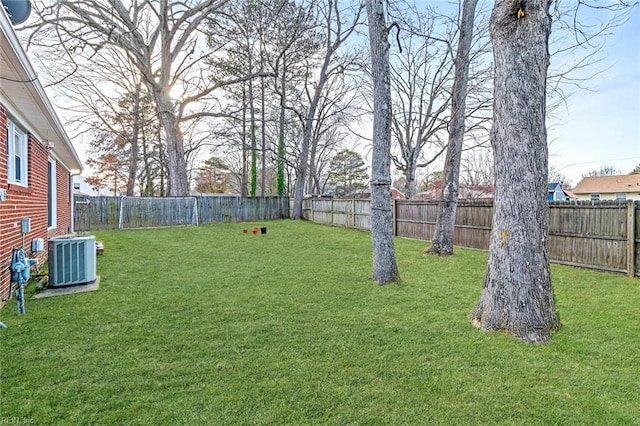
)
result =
(556, 193)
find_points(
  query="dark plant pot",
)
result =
(263, 230)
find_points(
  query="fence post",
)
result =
(394, 214)
(121, 213)
(631, 238)
(195, 210)
(353, 210)
(331, 211)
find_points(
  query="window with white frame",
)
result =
(18, 152)
(621, 197)
(595, 197)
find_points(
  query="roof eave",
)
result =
(66, 152)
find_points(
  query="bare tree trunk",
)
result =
(133, 156)
(263, 142)
(148, 179)
(517, 296)
(302, 169)
(281, 124)
(443, 236)
(245, 168)
(410, 177)
(252, 130)
(385, 268)
(163, 166)
(178, 179)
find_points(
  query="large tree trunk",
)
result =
(410, 176)
(443, 236)
(517, 296)
(177, 163)
(385, 268)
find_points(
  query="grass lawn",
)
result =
(207, 325)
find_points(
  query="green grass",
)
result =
(208, 325)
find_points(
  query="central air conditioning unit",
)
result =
(72, 260)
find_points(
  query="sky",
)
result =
(602, 127)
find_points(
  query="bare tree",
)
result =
(555, 175)
(420, 81)
(161, 39)
(337, 29)
(385, 268)
(477, 168)
(580, 31)
(442, 242)
(124, 109)
(606, 170)
(517, 296)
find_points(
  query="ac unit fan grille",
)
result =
(71, 261)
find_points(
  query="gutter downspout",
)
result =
(72, 199)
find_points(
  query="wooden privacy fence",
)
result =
(598, 235)
(91, 213)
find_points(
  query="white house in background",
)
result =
(81, 187)
(620, 187)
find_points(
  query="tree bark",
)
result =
(385, 268)
(443, 236)
(252, 130)
(517, 296)
(245, 168)
(133, 155)
(281, 124)
(177, 163)
(302, 169)
(410, 177)
(263, 141)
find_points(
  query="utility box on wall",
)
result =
(25, 225)
(37, 245)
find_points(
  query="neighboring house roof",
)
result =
(556, 187)
(20, 87)
(608, 184)
(465, 192)
(551, 186)
(397, 194)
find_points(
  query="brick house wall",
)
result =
(31, 202)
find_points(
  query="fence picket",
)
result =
(91, 213)
(604, 235)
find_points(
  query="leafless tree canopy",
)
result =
(281, 82)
